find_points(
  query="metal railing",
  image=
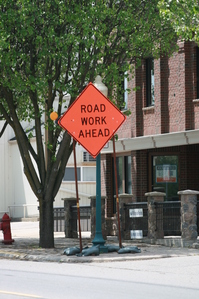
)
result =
(59, 219)
(166, 212)
(169, 213)
(85, 218)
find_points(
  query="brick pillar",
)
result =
(189, 214)
(93, 216)
(124, 199)
(155, 215)
(70, 222)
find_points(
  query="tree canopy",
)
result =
(56, 47)
(184, 17)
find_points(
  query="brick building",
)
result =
(158, 146)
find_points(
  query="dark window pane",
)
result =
(197, 70)
(128, 180)
(150, 81)
(165, 176)
(119, 164)
(69, 174)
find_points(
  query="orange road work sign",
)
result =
(92, 120)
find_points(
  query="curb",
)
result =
(88, 259)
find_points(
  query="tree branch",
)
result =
(39, 158)
(3, 129)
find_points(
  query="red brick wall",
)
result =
(149, 121)
(133, 126)
(196, 102)
(158, 99)
(141, 179)
(163, 95)
(174, 110)
(176, 91)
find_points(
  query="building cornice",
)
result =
(154, 141)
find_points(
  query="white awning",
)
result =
(153, 141)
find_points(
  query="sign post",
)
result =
(98, 239)
(92, 120)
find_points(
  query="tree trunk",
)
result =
(46, 223)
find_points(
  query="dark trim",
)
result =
(197, 71)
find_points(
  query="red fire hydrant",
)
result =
(5, 227)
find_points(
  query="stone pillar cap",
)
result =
(190, 192)
(155, 193)
(94, 196)
(124, 195)
(69, 198)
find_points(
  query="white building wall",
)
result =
(6, 170)
(85, 189)
(68, 190)
(16, 196)
(22, 201)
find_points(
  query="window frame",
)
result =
(80, 174)
(150, 97)
(197, 72)
(124, 90)
(150, 167)
(87, 157)
(72, 169)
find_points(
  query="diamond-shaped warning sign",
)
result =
(92, 120)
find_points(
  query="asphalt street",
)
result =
(175, 277)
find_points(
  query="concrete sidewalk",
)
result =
(26, 247)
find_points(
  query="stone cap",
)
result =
(124, 195)
(155, 193)
(94, 197)
(70, 198)
(188, 192)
